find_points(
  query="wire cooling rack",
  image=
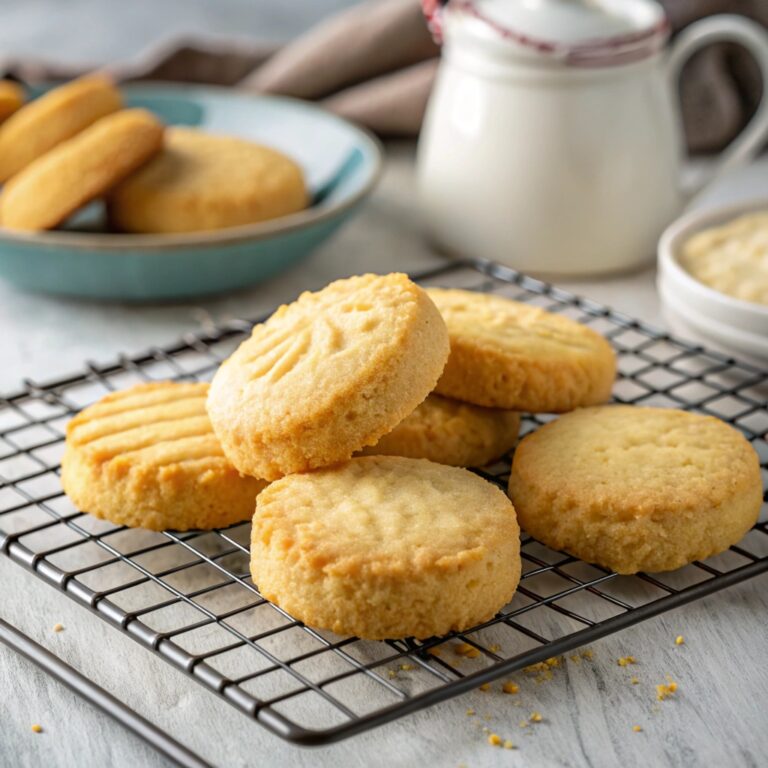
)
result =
(189, 598)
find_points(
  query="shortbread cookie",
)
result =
(636, 489)
(204, 182)
(386, 547)
(52, 118)
(147, 457)
(328, 375)
(451, 432)
(79, 170)
(11, 98)
(505, 354)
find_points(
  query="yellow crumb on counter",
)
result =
(536, 717)
(634, 680)
(407, 667)
(588, 654)
(625, 661)
(554, 661)
(665, 690)
(58, 627)
(485, 687)
(462, 648)
(679, 640)
(510, 687)
(494, 740)
(37, 728)
(636, 728)
(470, 712)
(495, 648)
(508, 744)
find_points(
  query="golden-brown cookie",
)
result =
(204, 182)
(451, 432)
(79, 170)
(636, 489)
(147, 457)
(328, 375)
(505, 354)
(11, 98)
(52, 118)
(386, 547)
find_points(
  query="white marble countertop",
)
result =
(716, 719)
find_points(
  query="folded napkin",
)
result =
(375, 63)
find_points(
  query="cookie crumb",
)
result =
(665, 690)
(634, 680)
(485, 687)
(679, 640)
(625, 661)
(37, 728)
(523, 723)
(470, 712)
(407, 667)
(636, 728)
(536, 717)
(495, 648)
(58, 627)
(510, 687)
(391, 674)
(494, 740)
(508, 744)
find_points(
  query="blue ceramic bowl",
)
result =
(341, 164)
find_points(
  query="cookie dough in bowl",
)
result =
(636, 489)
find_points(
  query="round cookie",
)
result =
(386, 547)
(205, 182)
(79, 170)
(52, 118)
(11, 98)
(636, 489)
(147, 457)
(451, 432)
(328, 375)
(505, 354)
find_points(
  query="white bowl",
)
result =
(736, 325)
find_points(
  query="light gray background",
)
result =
(718, 717)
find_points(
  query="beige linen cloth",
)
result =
(375, 62)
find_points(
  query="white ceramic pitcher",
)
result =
(552, 141)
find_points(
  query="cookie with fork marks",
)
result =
(147, 457)
(328, 375)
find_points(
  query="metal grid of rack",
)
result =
(189, 597)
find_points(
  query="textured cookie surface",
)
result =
(147, 457)
(505, 354)
(79, 170)
(451, 432)
(11, 98)
(636, 489)
(52, 118)
(328, 375)
(204, 182)
(385, 546)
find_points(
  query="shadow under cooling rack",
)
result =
(189, 597)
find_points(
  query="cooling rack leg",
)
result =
(100, 698)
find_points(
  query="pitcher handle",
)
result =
(731, 29)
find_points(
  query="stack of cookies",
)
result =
(76, 144)
(344, 412)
